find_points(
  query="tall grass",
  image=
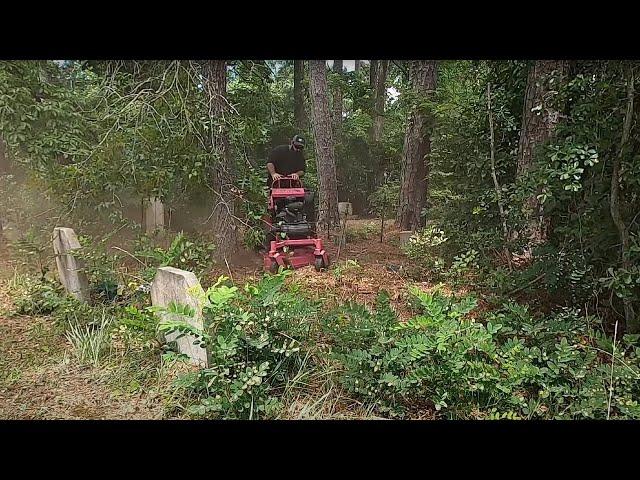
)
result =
(313, 393)
(91, 343)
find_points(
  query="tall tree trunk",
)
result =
(417, 146)
(300, 115)
(337, 103)
(325, 157)
(357, 65)
(373, 65)
(539, 119)
(380, 96)
(494, 176)
(4, 161)
(222, 216)
(631, 320)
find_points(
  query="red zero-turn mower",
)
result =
(291, 235)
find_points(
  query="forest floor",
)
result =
(41, 379)
(359, 271)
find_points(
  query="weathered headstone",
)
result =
(182, 287)
(70, 269)
(405, 236)
(154, 216)
(345, 209)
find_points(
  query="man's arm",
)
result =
(272, 172)
(271, 166)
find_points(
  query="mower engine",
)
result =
(292, 218)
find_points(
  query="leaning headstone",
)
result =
(154, 216)
(70, 269)
(405, 236)
(182, 287)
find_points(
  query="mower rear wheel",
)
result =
(320, 264)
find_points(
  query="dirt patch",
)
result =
(67, 391)
(361, 284)
(40, 380)
(360, 270)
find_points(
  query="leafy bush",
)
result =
(625, 282)
(464, 263)
(256, 339)
(134, 329)
(100, 267)
(188, 254)
(253, 196)
(514, 366)
(347, 266)
(33, 297)
(355, 233)
(426, 249)
(384, 199)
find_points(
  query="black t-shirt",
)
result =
(286, 161)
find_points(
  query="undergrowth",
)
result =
(273, 353)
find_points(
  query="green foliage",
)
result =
(91, 342)
(427, 249)
(93, 131)
(384, 199)
(465, 261)
(359, 233)
(253, 193)
(100, 267)
(37, 297)
(347, 266)
(507, 364)
(514, 363)
(255, 339)
(581, 258)
(134, 329)
(192, 254)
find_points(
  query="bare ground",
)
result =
(360, 270)
(40, 378)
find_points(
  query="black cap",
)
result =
(298, 140)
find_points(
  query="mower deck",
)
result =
(301, 252)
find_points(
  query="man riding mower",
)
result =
(291, 232)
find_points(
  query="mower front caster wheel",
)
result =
(320, 264)
(273, 267)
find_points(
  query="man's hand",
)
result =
(276, 176)
(295, 176)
